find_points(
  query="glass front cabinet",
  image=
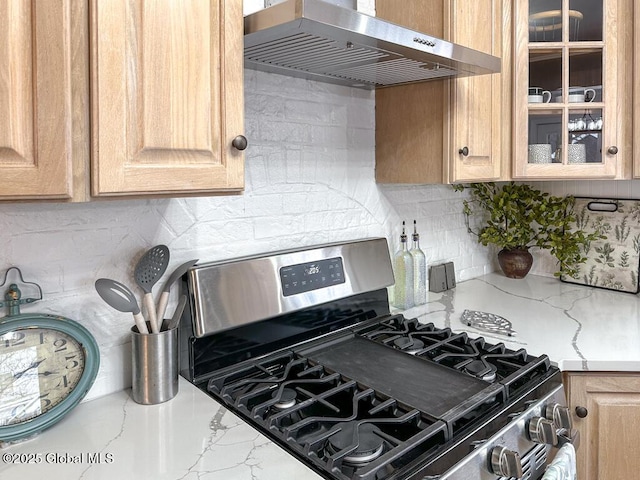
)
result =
(572, 89)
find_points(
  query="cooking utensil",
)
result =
(122, 299)
(164, 296)
(148, 271)
(177, 314)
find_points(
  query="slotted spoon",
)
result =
(148, 271)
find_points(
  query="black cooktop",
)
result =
(431, 388)
(382, 398)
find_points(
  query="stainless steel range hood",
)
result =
(321, 41)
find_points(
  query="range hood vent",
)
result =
(318, 40)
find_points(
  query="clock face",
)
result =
(39, 368)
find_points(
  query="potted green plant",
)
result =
(517, 217)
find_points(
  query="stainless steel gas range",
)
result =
(301, 344)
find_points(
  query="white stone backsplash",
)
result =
(309, 180)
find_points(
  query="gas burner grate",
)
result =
(472, 356)
(410, 336)
(341, 425)
(265, 388)
(371, 437)
(476, 357)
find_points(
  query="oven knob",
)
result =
(506, 463)
(559, 415)
(542, 430)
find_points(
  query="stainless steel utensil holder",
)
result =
(154, 366)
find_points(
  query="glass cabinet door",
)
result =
(565, 117)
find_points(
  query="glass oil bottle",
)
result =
(403, 271)
(419, 269)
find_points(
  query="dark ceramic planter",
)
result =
(515, 263)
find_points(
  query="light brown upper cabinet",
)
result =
(44, 138)
(572, 84)
(167, 96)
(165, 106)
(447, 131)
(480, 105)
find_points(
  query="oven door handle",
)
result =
(569, 436)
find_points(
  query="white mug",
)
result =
(587, 95)
(544, 98)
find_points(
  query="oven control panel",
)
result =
(305, 277)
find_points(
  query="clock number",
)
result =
(45, 402)
(71, 363)
(60, 344)
(14, 342)
(63, 381)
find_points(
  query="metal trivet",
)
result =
(488, 322)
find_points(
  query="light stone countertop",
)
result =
(578, 327)
(192, 437)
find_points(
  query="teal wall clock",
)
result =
(48, 363)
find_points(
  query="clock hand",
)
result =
(44, 374)
(31, 367)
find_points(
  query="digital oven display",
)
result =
(305, 277)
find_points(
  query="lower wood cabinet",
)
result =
(606, 411)
(636, 93)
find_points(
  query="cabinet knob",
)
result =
(464, 151)
(581, 412)
(506, 463)
(612, 150)
(240, 142)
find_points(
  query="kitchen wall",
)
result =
(309, 180)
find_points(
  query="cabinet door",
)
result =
(167, 96)
(42, 61)
(421, 128)
(610, 433)
(476, 104)
(636, 93)
(409, 118)
(572, 75)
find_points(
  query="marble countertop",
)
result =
(190, 437)
(193, 437)
(578, 327)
